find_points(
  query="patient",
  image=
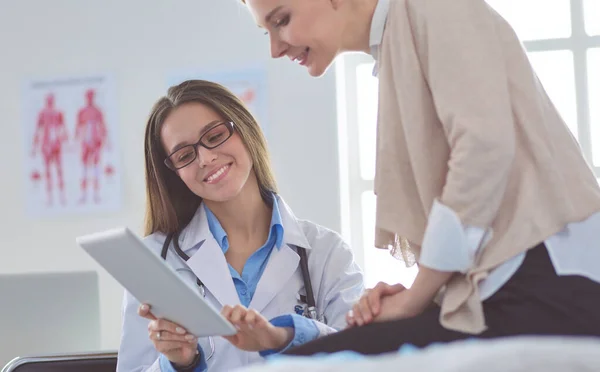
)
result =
(211, 190)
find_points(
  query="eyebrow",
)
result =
(204, 129)
(272, 13)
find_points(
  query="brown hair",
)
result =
(170, 205)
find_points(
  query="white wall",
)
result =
(140, 42)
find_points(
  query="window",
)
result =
(562, 38)
(592, 16)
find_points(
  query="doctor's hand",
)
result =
(255, 333)
(370, 305)
(170, 339)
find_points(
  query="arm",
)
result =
(78, 126)
(342, 285)
(64, 136)
(36, 134)
(300, 331)
(136, 352)
(464, 65)
(199, 365)
(103, 130)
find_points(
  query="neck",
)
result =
(358, 28)
(246, 217)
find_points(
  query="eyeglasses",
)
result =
(215, 137)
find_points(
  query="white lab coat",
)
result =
(337, 283)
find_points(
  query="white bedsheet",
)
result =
(518, 354)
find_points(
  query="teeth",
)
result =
(215, 175)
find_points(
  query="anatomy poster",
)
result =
(71, 154)
(249, 84)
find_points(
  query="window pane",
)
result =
(594, 99)
(379, 264)
(592, 16)
(557, 74)
(367, 90)
(536, 19)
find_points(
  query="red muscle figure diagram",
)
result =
(50, 136)
(92, 134)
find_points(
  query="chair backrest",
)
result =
(96, 362)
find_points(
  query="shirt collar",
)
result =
(220, 235)
(377, 28)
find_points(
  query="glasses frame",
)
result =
(230, 128)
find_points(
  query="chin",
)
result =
(222, 194)
(318, 69)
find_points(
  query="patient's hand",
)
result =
(255, 333)
(170, 339)
(398, 306)
(369, 307)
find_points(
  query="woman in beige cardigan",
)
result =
(478, 178)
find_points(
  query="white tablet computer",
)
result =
(152, 281)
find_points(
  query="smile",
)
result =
(218, 174)
(302, 58)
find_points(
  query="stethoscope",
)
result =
(311, 308)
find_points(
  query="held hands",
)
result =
(255, 333)
(170, 339)
(382, 303)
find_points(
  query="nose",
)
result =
(278, 47)
(205, 156)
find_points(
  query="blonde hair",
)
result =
(170, 205)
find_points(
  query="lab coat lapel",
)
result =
(208, 262)
(282, 264)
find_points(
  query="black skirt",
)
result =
(534, 301)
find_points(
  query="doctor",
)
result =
(214, 215)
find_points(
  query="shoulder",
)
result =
(443, 13)
(155, 241)
(323, 239)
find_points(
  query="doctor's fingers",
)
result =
(238, 314)
(350, 321)
(254, 321)
(144, 312)
(226, 311)
(366, 308)
(165, 325)
(372, 300)
(361, 315)
(166, 347)
(160, 336)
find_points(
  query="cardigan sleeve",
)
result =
(463, 63)
(462, 60)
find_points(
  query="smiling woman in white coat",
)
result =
(214, 214)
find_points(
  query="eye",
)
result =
(282, 21)
(215, 138)
(184, 156)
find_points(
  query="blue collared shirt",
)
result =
(245, 284)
